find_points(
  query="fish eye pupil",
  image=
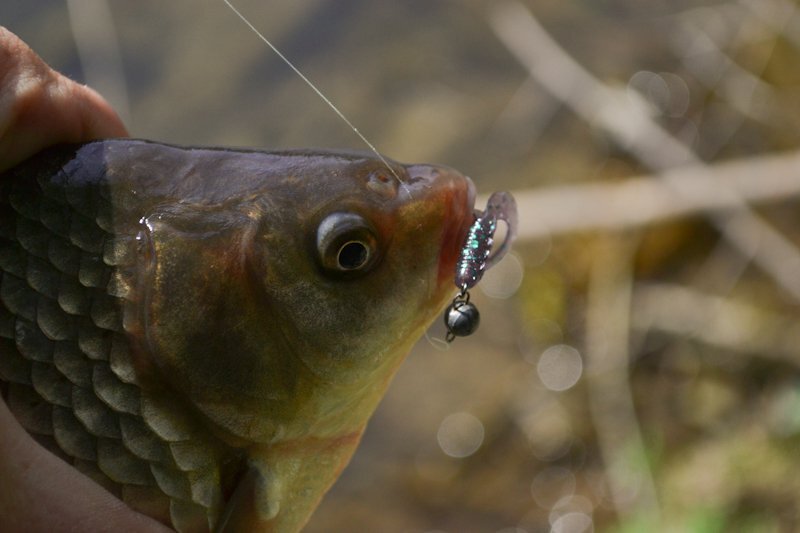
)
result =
(347, 245)
(352, 255)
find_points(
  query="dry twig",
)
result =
(98, 49)
(629, 124)
(607, 378)
(721, 322)
(643, 201)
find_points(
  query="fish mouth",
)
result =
(458, 222)
(456, 194)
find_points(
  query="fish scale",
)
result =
(66, 370)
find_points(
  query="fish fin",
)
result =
(254, 503)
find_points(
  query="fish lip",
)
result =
(471, 193)
(456, 194)
(460, 216)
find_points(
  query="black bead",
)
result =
(462, 319)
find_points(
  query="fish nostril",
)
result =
(423, 174)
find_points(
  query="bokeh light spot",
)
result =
(460, 435)
(666, 92)
(575, 503)
(573, 523)
(560, 367)
(503, 280)
(551, 485)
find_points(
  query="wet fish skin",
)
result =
(168, 326)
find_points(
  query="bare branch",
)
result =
(98, 49)
(628, 123)
(643, 201)
(619, 436)
(716, 321)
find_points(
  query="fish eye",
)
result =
(346, 243)
(352, 255)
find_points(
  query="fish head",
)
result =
(277, 301)
(378, 246)
(281, 300)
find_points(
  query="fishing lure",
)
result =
(462, 317)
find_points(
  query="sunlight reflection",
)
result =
(460, 435)
(560, 367)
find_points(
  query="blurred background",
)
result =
(638, 362)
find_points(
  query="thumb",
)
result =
(40, 107)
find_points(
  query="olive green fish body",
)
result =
(205, 332)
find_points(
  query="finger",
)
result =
(40, 492)
(39, 107)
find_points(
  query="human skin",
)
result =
(39, 107)
(38, 491)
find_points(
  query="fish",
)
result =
(204, 331)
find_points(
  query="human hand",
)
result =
(41, 493)
(38, 491)
(39, 107)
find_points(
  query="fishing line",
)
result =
(316, 90)
(440, 345)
